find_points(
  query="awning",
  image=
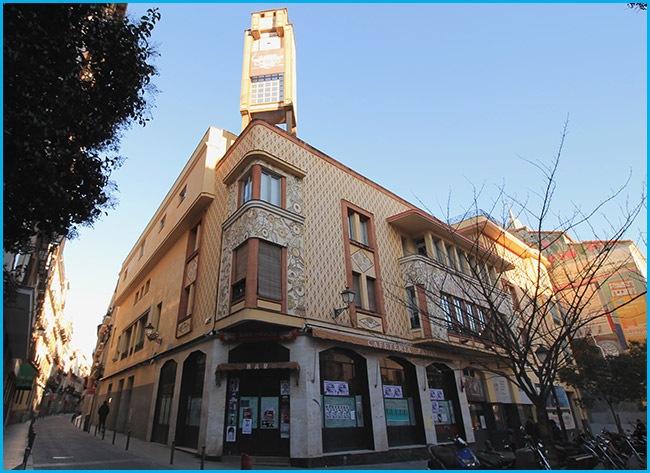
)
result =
(260, 365)
(25, 378)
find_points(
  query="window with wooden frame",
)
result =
(421, 247)
(451, 259)
(259, 272)
(246, 189)
(155, 317)
(139, 332)
(362, 262)
(126, 343)
(459, 311)
(188, 293)
(240, 256)
(271, 188)
(437, 250)
(414, 311)
(358, 227)
(262, 184)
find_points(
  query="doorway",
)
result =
(188, 421)
(257, 402)
(160, 431)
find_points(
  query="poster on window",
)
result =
(560, 393)
(234, 385)
(567, 418)
(285, 387)
(269, 409)
(284, 417)
(231, 433)
(445, 414)
(397, 412)
(248, 410)
(436, 395)
(247, 426)
(359, 403)
(393, 392)
(336, 388)
(339, 411)
(435, 406)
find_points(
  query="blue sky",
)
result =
(424, 99)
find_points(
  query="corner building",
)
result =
(223, 331)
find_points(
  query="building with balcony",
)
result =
(37, 333)
(227, 329)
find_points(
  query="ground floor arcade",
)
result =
(311, 395)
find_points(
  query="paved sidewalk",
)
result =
(14, 442)
(191, 461)
(183, 460)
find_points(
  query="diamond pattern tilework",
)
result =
(319, 198)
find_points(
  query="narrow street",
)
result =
(61, 446)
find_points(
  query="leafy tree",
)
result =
(498, 306)
(613, 379)
(75, 77)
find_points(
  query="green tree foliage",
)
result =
(613, 379)
(75, 77)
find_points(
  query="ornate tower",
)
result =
(268, 87)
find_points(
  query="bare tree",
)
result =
(493, 293)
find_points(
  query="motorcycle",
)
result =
(491, 459)
(457, 456)
(533, 455)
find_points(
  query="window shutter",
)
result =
(269, 271)
(241, 261)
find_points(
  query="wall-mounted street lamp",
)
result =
(542, 353)
(348, 298)
(151, 335)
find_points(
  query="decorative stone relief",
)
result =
(283, 231)
(362, 261)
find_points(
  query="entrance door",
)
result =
(160, 430)
(188, 421)
(257, 413)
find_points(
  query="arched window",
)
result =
(344, 401)
(401, 402)
(160, 430)
(445, 407)
(189, 406)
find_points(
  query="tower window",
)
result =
(266, 89)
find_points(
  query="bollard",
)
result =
(202, 457)
(114, 432)
(246, 462)
(26, 456)
(171, 455)
(128, 439)
(95, 431)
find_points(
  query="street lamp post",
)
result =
(542, 354)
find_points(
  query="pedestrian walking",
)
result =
(103, 414)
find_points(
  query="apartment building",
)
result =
(276, 302)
